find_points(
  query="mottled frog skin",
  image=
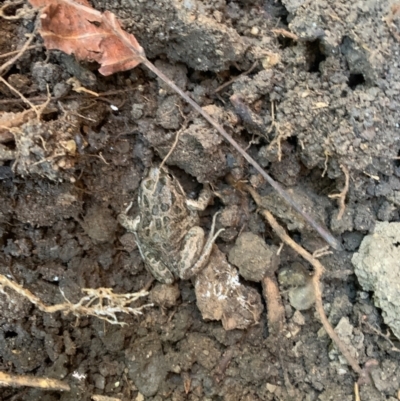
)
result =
(170, 241)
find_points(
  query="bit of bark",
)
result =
(275, 309)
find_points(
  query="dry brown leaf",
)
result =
(76, 28)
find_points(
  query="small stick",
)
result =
(45, 383)
(342, 195)
(5, 55)
(174, 145)
(318, 270)
(24, 48)
(21, 96)
(285, 33)
(219, 89)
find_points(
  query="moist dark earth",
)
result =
(310, 107)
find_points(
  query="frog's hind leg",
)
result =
(195, 254)
(157, 268)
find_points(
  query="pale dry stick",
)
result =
(356, 392)
(45, 383)
(316, 279)
(69, 97)
(5, 55)
(285, 33)
(98, 397)
(342, 195)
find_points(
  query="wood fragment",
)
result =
(98, 397)
(275, 309)
(342, 195)
(45, 383)
(285, 33)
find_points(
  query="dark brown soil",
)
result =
(334, 93)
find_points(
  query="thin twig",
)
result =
(285, 33)
(5, 55)
(69, 97)
(316, 279)
(177, 136)
(342, 195)
(21, 96)
(224, 85)
(24, 48)
(386, 337)
(45, 383)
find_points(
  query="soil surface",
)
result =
(321, 97)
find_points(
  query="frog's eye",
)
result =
(148, 184)
(177, 210)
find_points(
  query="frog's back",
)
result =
(165, 217)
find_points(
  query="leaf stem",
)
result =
(326, 235)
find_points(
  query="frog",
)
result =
(167, 232)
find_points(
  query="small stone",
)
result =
(271, 388)
(302, 298)
(377, 269)
(99, 381)
(298, 318)
(165, 295)
(254, 31)
(293, 276)
(253, 257)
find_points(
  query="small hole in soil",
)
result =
(292, 140)
(397, 162)
(10, 334)
(286, 42)
(355, 80)
(11, 11)
(315, 56)
(396, 244)
(50, 116)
